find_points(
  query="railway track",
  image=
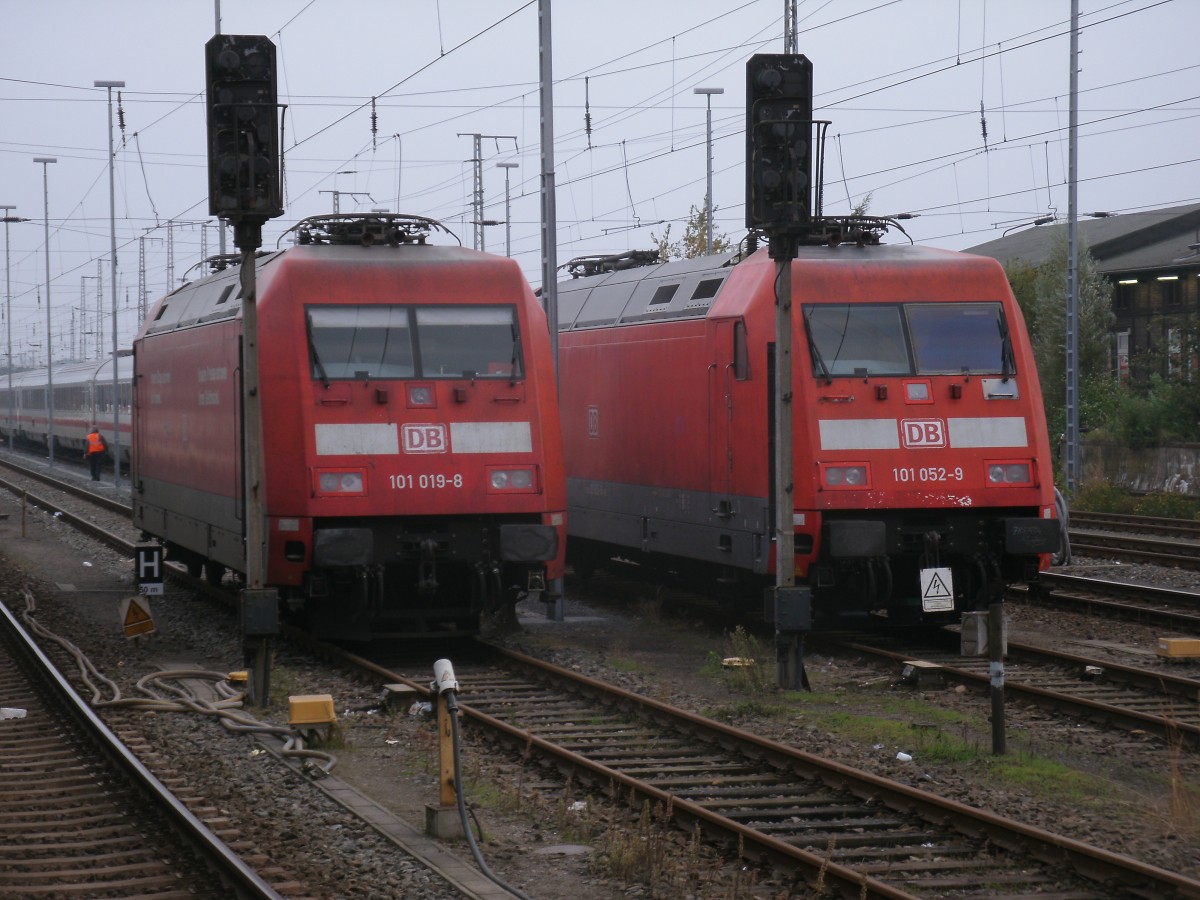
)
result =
(47, 477)
(1146, 539)
(1143, 603)
(1124, 696)
(860, 833)
(1180, 528)
(81, 815)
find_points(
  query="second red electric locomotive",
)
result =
(412, 453)
(922, 473)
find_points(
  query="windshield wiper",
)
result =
(312, 348)
(516, 353)
(1008, 361)
(815, 353)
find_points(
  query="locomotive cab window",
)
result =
(907, 339)
(372, 342)
(950, 338)
(360, 342)
(856, 340)
(469, 341)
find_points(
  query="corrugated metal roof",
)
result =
(1158, 239)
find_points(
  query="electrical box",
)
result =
(922, 673)
(259, 610)
(1179, 648)
(973, 638)
(789, 608)
(311, 709)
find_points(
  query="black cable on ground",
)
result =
(452, 709)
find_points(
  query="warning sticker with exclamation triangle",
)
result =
(937, 590)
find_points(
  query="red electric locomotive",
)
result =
(412, 452)
(923, 479)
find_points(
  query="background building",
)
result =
(1152, 260)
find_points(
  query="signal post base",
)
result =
(443, 822)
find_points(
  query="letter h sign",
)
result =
(148, 568)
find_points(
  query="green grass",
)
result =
(1046, 778)
(938, 736)
(749, 709)
(928, 733)
(624, 664)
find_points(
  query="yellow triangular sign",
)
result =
(136, 617)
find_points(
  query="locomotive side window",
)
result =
(469, 341)
(949, 338)
(360, 342)
(856, 340)
(741, 353)
(664, 294)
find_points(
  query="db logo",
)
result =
(424, 438)
(923, 432)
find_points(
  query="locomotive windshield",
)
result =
(369, 342)
(907, 339)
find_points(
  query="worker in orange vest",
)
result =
(95, 450)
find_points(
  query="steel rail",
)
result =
(226, 865)
(1136, 548)
(1169, 728)
(1080, 593)
(1187, 528)
(1014, 835)
(1049, 848)
(107, 503)
(1088, 861)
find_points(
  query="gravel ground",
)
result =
(1131, 794)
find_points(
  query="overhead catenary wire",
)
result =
(632, 160)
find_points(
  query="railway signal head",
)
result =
(779, 142)
(243, 133)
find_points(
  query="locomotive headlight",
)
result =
(520, 479)
(420, 395)
(852, 476)
(1017, 473)
(1009, 474)
(339, 482)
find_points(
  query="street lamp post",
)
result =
(45, 161)
(8, 313)
(708, 201)
(507, 167)
(112, 230)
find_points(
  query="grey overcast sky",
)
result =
(903, 82)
